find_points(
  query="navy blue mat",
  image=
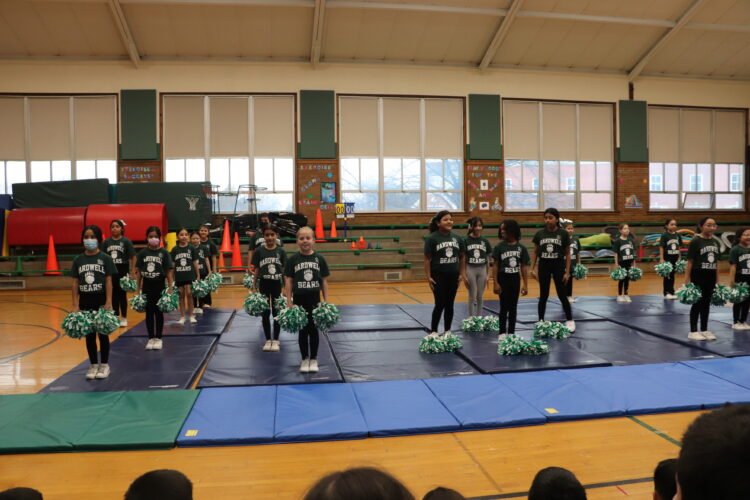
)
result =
(248, 329)
(136, 369)
(402, 407)
(479, 402)
(735, 370)
(422, 314)
(211, 322)
(318, 412)
(374, 317)
(641, 305)
(528, 313)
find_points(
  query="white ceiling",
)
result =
(677, 38)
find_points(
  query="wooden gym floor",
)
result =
(613, 457)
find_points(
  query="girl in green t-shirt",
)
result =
(739, 272)
(670, 244)
(703, 270)
(154, 266)
(478, 253)
(122, 252)
(185, 257)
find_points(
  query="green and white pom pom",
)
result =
(292, 319)
(280, 303)
(689, 294)
(738, 293)
(451, 342)
(635, 273)
(105, 321)
(78, 324)
(580, 271)
(138, 302)
(491, 323)
(248, 280)
(664, 269)
(255, 304)
(720, 295)
(200, 288)
(680, 266)
(512, 345)
(551, 329)
(536, 347)
(214, 281)
(128, 284)
(168, 301)
(619, 274)
(480, 324)
(431, 345)
(326, 316)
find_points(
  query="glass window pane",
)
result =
(175, 171)
(603, 176)
(434, 175)
(283, 174)
(219, 173)
(454, 178)
(195, 170)
(402, 201)
(369, 173)
(521, 201)
(412, 173)
(350, 174)
(567, 176)
(588, 176)
(689, 178)
(263, 173)
(596, 201)
(560, 200)
(671, 177)
(440, 201)
(61, 171)
(696, 201)
(275, 202)
(107, 169)
(513, 175)
(86, 169)
(728, 201)
(655, 169)
(721, 177)
(392, 173)
(239, 172)
(2, 178)
(531, 175)
(552, 175)
(705, 171)
(663, 201)
(40, 171)
(363, 202)
(15, 173)
(735, 176)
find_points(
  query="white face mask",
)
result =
(90, 244)
(154, 242)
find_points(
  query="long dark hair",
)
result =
(436, 220)
(669, 219)
(270, 227)
(738, 235)
(96, 230)
(153, 229)
(554, 212)
(364, 482)
(121, 223)
(511, 228)
(473, 222)
(703, 221)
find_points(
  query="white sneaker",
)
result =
(197, 310)
(709, 335)
(434, 335)
(193, 320)
(446, 333)
(620, 298)
(571, 299)
(275, 346)
(267, 345)
(181, 320)
(91, 372)
(312, 367)
(747, 327)
(305, 366)
(103, 371)
(158, 344)
(150, 344)
(502, 337)
(670, 296)
(696, 336)
(123, 322)
(739, 326)
(628, 299)
(571, 325)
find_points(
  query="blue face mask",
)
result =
(90, 244)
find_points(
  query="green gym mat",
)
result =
(40, 423)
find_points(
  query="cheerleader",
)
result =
(478, 249)
(552, 254)
(575, 250)
(185, 257)
(257, 239)
(624, 249)
(445, 266)
(671, 242)
(154, 265)
(511, 269)
(92, 273)
(204, 265)
(268, 265)
(122, 252)
(212, 252)
(702, 270)
(305, 274)
(739, 272)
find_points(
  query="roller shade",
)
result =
(95, 128)
(595, 122)
(12, 129)
(183, 127)
(229, 126)
(521, 129)
(358, 127)
(401, 134)
(444, 128)
(273, 119)
(695, 137)
(663, 134)
(729, 133)
(50, 128)
(558, 131)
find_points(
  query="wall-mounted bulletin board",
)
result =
(139, 171)
(484, 187)
(315, 180)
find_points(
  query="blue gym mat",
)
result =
(373, 317)
(480, 401)
(211, 322)
(422, 313)
(231, 416)
(528, 313)
(641, 305)
(249, 329)
(136, 369)
(735, 370)
(318, 412)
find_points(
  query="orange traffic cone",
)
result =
(333, 229)
(226, 246)
(319, 231)
(222, 265)
(362, 243)
(236, 254)
(52, 268)
(354, 245)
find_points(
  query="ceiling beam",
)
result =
(500, 34)
(317, 31)
(671, 32)
(124, 29)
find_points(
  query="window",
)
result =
(11, 172)
(97, 169)
(508, 184)
(233, 142)
(401, 154)
(558, 154)
(698, 155)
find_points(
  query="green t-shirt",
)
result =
(92, 271)
(120, 251)
(740, 257)
(257, 240)
(154, 264)
(213, 250)
(704, 253)
(307, 272)
(510, 257)
(625, 250)
(183, 258)
(477, 250)
(202, 254)
(552, 244)
(444, 251)
(671, 244)
(270, 263)
(575, 249)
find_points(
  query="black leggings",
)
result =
(706, 281)
(444, 292)
(92, 302)
(119, 297)
(554, 270)
(668, 287)
(622, 285)
(154, 317)
(272, 290)
(309, 338)
(196, 301)
(569, 284)
(510, 288)
(739, 311)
